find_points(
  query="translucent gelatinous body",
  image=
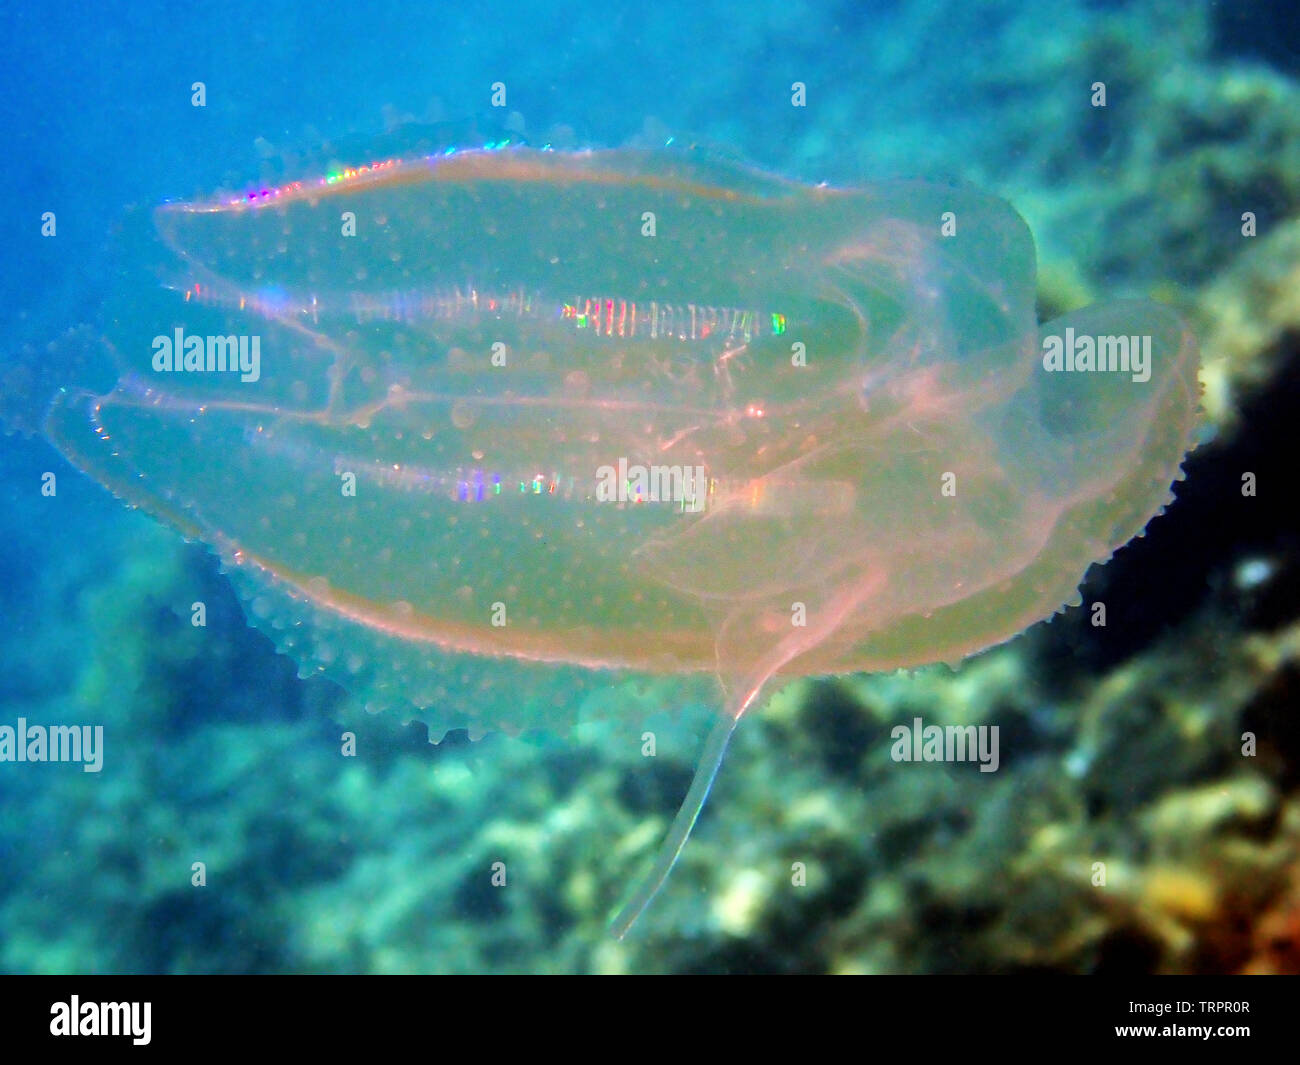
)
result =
(626, 410)
(504, 326)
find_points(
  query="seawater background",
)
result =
(1118, 744)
